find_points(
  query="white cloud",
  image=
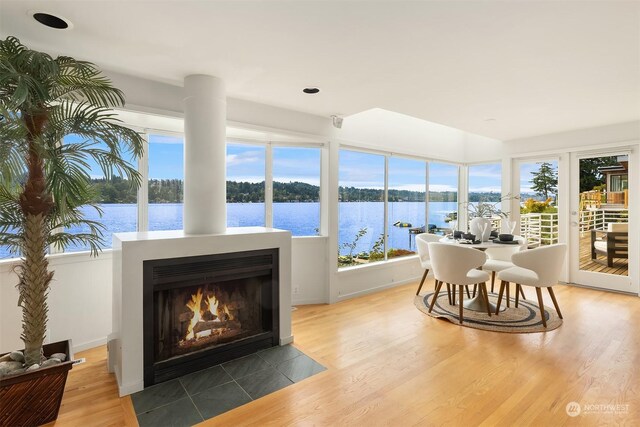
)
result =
(442, 187)
(408, 187)
(245, 158)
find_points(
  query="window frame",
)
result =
(462, 170)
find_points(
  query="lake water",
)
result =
(303, 219)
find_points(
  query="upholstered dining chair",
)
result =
(458, 265)
(540, 268)
(422, 244)
(499, 259)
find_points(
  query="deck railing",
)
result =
(597, 219)
(542, 228)
(539, 228)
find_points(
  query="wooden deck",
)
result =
(620, 266)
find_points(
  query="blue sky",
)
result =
(366, 170)
(166, 157)
(247, 163)
(525, 173)
(485, 178)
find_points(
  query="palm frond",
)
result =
(83, 81)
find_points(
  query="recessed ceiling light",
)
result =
(51, 21)
(490, 120)
(311, 90)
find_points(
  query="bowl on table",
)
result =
(505, 237)
(469, 236)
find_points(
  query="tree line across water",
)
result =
(118, 190)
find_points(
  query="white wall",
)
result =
(79, 302)
(309, 270)
(356, 281)
(563, 142)
(577, 140)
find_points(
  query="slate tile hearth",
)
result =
(264, 382)
(205, 394)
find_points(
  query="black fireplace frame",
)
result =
(228, 266)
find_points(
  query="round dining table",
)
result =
(477, 303)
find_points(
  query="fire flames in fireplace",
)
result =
(209, 319)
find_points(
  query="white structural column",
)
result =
(205, 114)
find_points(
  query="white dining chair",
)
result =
(458, 265)
(499, 259)
(422, 244)
(540, 268)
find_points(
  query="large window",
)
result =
(245, 185)
(166, 182)
(296, 190)
(539, 202)
(406, 207)
(443, 196)
(485, 193)
(361, 212)
(116, 199)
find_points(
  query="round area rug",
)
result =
(524, 319)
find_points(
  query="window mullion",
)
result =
(143, 191)
(386, 206)
(268, 186)
(426, 198)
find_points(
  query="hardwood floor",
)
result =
(91, 395)
(390, 364)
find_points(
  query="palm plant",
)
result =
(45, 183)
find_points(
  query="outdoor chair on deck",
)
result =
(613, 243)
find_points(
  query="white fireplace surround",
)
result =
(130, 250)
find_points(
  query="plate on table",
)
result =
(511, 242)
(469, 242)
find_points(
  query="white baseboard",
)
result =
(377, 289)
(308, 301)
(90, 344)
(127, 389)
(286, 340)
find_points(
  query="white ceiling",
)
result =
(534, 67)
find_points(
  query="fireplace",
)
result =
(200, 311)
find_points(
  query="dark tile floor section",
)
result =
(245, 365)
(158, 395)
(180, 413)
(202, 395)
(300, 368)
(264, 382)
(220, 399)
(202, 380)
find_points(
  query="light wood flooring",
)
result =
(390, 364)
(620, 265)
